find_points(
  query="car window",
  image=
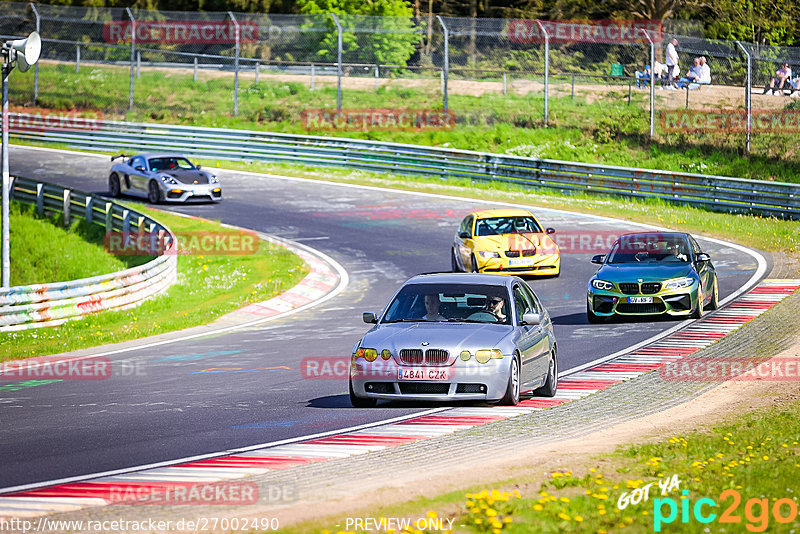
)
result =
(649, 249)
(466, 225)
(521, 303)
(537, 306)
(137, 161)
(695, 247)
(170, 163)
(448, 302)
(507, 225)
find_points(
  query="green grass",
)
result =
(607, 130)
(208, 286)
(755, 454)
(43, 251)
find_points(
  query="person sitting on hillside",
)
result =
(642, 77)
(705, 72)
(781, 76)
(693, 76)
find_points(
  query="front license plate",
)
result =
(521, 262)
(640, 300)
(418, 373)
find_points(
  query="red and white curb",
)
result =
(72, 496)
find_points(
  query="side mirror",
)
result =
(464, 235)
(703, 257)
(369, 317)
(550, 231)
(599, 259)
(531, 318)
(199, 167)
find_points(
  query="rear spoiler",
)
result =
(120, 156)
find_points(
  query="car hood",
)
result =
(454, 337)
(185, 176)
(631, 272)
(524, 241)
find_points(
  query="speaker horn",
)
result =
(28, 50)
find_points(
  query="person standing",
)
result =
(672, 63)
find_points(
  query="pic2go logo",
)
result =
(756, 511)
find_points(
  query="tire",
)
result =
(453, 262)
(511, 398)
(698, 311)
(114, 189)
(359, 402)
(590, 315)
(474, 267)
(714, 304)
(153, 193)
(551, 384)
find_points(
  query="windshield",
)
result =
(507, 225)
(463, 303)
(650, 248)
(168, 164)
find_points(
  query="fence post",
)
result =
(78, 58)
(40, 199)
(687, 96)
(133, 55)
(338, 62)
(505, 84)
(138, 64)
(36, 67)
(629, 92)
(312, 76)
(546, 71)
(377, 74)
(109, 217)
(652, 82)
(446, 70)
(88, 212)
(195, 69)
(236, 65)
(572, 90)
(66, 206)
(258, 68)
(747, 97)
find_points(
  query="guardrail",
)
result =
(714, 192)
(38, 305)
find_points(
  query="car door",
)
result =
(704, 268)
(463, 241)
(138, 176)
(529, 340)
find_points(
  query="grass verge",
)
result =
(79, 254)
(744, 468)
(208, 286)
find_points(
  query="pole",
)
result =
(748, 105)
(312, 76)
(195, 70)
(6, 262)
(377, 74)
(78, 58)
(36, 67)
(338, 63)
(652, 82)
(133, 55)
(236, 66)
(546, 71)
(505, 84)
(138, 64)
(446, 57)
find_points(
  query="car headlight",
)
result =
(167, 179)
(486, 254)
(386, 354)
(465, 355)
(368, 354)
(484, 355)
(678, 283)
(602, 284)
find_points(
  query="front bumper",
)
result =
(468, 381)
(538, 265)
(677, 302)
(184, 192)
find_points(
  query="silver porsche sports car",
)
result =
(162, 178)
(459, 336)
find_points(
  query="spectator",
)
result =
(781, 76)
(693, 76)
(643, 77)
(705, 76)
(672, 63)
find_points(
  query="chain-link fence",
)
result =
(198, 66)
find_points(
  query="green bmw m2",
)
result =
(652, 273)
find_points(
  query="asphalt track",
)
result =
(175, 407)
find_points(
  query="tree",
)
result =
(366, 39)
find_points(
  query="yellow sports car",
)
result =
(505, 241)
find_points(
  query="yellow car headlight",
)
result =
(368, 354)
(386, 354)
(465, 355)
(484, 355)
(488, 254)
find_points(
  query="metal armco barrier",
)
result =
(714, 192)
(33, 306)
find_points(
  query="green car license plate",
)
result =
(640, 300)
